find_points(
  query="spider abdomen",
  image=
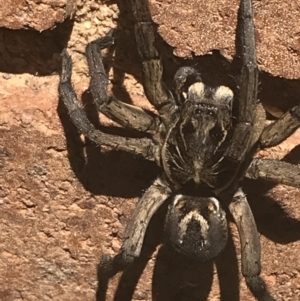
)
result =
(196, 227)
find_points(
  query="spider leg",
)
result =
(281, 129)
(127, 115)
(250, 246)
(136, 228)
(140, 146)
(247, 96)
(275, 171)
(152, 68)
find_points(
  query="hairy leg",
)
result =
(152, 68)
(126, 115)
(250, 246)
(281, 129)
(136, 228)
(142, 146)
(248, 79)
(274, 171)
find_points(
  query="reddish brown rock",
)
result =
(196, 28)
(39, 15)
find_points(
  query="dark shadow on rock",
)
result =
(279, 93)
(228, 272)
(293, 156)
(271, 219)
(178, 278)
(30, 51)
(112, 173)
(131, 274)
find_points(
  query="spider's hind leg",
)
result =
(274, 171)
(250, 246)
(136, 228)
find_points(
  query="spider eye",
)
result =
(211, 113)
(204, 109)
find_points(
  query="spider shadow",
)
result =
(111, 173)
(271, 218)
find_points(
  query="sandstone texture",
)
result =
(65, 201)
(209, 25)
(36, 14)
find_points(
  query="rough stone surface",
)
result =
(37, 14)
(64, 202)
(196, 28)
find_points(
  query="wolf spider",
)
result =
(196, 138)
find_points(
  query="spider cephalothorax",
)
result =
(195, 139)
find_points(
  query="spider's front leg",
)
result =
(242, 139)
(136, 228)
(250, 246)
(126, 115)
(152, 67)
